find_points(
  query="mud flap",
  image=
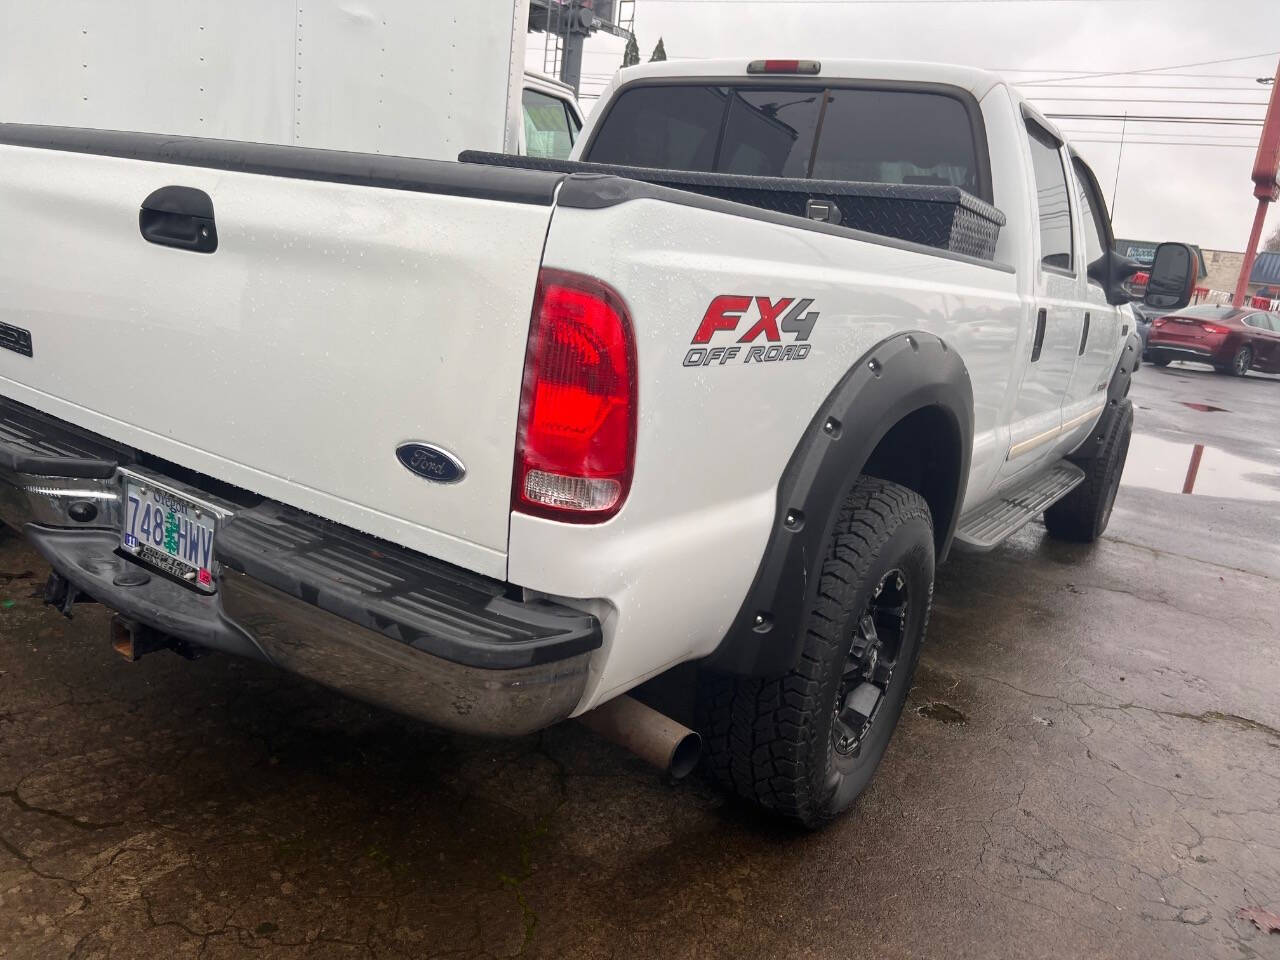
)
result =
(1117, 390)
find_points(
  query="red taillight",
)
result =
(807, 67)
(1212, 328)
(1158, 322)
(575, 447)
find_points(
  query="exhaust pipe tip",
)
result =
(652, 736)
(685, 756)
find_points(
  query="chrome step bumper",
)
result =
(347, 610)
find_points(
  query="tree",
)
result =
(1272, 243)
(631, 56)
(659, 52)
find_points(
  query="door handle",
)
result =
(179, 217)
(1041, 319)
(1084, 336)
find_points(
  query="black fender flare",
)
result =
(903, 374)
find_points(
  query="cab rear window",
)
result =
(827, 133)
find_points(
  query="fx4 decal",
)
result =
(766, 322)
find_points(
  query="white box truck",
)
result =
(397, 77)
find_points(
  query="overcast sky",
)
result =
(1178, 189)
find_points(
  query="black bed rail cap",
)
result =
(299, 163)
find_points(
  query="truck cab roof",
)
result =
(976, 81)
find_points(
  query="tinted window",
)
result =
(886, 136)
(1091, 212)
(1051, 194)
(674, 127)
(546, 126)
(769, 133)
(871, 135)
(1258, 320)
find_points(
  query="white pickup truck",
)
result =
(493, 446)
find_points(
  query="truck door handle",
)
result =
(1038, 345)
(1084, 336)
(179, 217)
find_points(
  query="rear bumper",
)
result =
(355, 613)
(1172, 351)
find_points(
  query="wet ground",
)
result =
(1089, 767)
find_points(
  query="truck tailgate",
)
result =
(352, 304)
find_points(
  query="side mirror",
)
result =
(1173, 274)
(1112, 272)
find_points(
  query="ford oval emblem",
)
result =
(431, 462)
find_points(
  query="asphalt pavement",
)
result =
(1089, 766)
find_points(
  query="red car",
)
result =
(1234, 339)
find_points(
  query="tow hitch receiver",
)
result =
(133, 640)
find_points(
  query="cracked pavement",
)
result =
(1089, 766)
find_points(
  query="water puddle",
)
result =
(1195, 468)
(1205, 407)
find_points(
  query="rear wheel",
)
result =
(1240, 363)
(1082, 515)
(804, 744)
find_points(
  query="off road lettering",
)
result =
(761, 318)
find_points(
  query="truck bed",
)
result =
(943, 217)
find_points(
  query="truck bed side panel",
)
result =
(713, 440)
(334, 322)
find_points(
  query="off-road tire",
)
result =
(770, 739)
(1082, 515)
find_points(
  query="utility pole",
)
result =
(568, 23)
(1266, 168)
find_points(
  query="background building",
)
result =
(1224, 269)
(1264, 279)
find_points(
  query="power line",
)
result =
(1148, 86)
(900, 3)
(1146, 70)
(1087, 75)
(1223, 103)
(1119, 117)
(1164, 134)
(1167, 143)
(1168, 135)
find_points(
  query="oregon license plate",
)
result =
(171, 532)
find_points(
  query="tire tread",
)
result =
(760, 731)
(1077, 516)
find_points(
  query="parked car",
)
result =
(494, 446)
(552, 119)
(1142, 316)
(1234, 340)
